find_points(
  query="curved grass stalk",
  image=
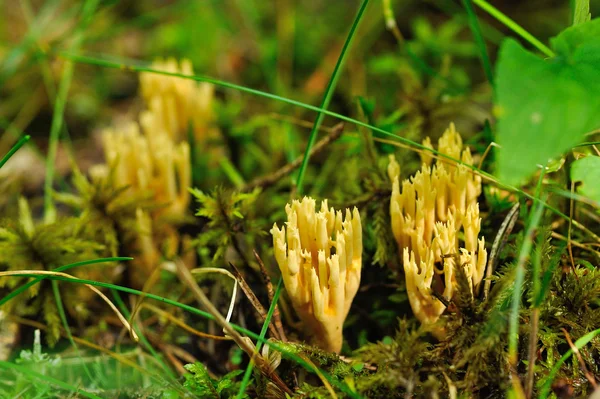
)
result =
(182, 325)
(479, 40)
(38, 279)
(22, 141)
(226, 272)
(36, 273)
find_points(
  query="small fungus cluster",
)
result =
(152, 157)
(320, 257)
(174, 104)
(150, 162)
(427, 213)
(435, 221)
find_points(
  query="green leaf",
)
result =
(544, 107)
(579, 44)
(199, 382)
(587, 171)
(227, 382)
(581, 11)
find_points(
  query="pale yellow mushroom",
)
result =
(427, 212)
(175, 102)
(148, 164)
(156, 166)
(320, 258)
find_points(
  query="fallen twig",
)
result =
(269, 180)
(260, 309)
(271, 293)
(505, 229)
(243, 342)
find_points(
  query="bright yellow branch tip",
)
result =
(427, 215)
(320, 259)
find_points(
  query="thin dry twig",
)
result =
(505, 229)
(370, 197)
(245, 344)
(486, 152)
(183, 325)
(271, 293)
(260, 310)
(269, 180)
(577, 244)
(586, 372)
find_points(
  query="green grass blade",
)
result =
(478, 36)
(58, 114)
(580, 11)
(513, 326)
(22, 141)
(537, 259)
(546, 278)
(46, 379)
(37, 279)
(580, 343)
(341, 385)
(328, 95)
(587, 144)
(231, 172)
(515, 27)
(63, 319)
(263, 332)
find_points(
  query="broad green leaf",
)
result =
(579, 44)
(546, 106)
(581, 11)
(587, 171)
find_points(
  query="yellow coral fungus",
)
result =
(321, 273)
(174, 102)
(150, 163)
(427, 215)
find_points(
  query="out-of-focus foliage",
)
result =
(549, 105)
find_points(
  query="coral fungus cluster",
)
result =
(174, 104)
(150, 163)
(152, 158)
(320, 258)
(428, 211)
(320, 253)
